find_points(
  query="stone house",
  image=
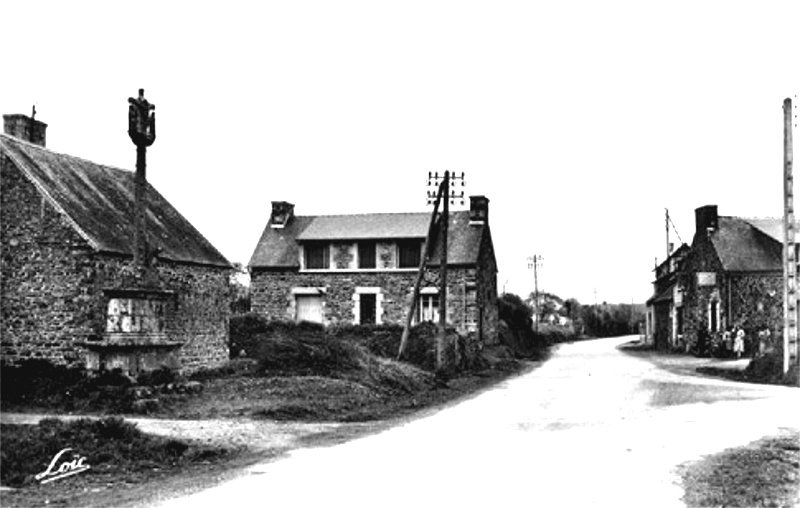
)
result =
(361, 269)
(664, 316)
(732, 277)
(70, 290)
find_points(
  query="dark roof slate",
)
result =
(279, 247)
(98, 201)
(742, 247)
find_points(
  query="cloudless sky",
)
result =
(581, 121)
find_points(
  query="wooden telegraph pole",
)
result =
(533, 262)
(789, 256)
(443, 196)
(426, 247)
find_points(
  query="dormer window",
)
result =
(317, 256)
(366, 255)
(409, 253)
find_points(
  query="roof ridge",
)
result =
(64, 154)
(374, 213)
(363, 214)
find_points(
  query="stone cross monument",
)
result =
(142, 131)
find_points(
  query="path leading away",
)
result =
(592, 427)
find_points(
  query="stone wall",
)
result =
(45, 311)
(273, 294)
(54, 290)
(756, 302)
(751, 300)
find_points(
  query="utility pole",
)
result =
(448, 196)
(666, 226)
(789, 258)
(142, 131)
(533, 263)
(435, 198)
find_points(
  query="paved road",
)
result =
(592, 427)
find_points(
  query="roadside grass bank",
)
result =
(763, 473)
(298, 373)
(764, 369)
(287, 372)
(94, 462)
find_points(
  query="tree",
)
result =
(239, 289)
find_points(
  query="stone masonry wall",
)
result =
(53, 291)
(45, 310)
(703, 258)
(271, 293)
(201, 312)
(487, 298)
(757, 302)
(750, 300)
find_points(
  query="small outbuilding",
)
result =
(71, 292)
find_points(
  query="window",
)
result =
(317, 256)
(713, 316)
(366, 255)
(429, 308)
(409, 253)
(308, 308)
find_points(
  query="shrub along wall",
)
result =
(249, 333)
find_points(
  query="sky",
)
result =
(581, 121)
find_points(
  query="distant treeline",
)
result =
(601, 320)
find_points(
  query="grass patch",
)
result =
(763, 473)
(123, 462)
(111, 446)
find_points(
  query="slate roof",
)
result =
(98, 201)
(366, 226)
(771, 226)
(743, 247)
(279, 247)
(667, 295)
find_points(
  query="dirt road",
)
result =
(592, 427)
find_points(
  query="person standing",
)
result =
(738, 343)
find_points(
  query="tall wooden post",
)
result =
(142, 131)
(420, 274)
(789, 255)
(441, 339)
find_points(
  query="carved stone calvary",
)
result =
(142, 131)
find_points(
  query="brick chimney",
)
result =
(478, 210)
(706, 219)
(282, 213)
(26, 128)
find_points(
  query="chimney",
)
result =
(282, 213)
(26, 128)
(706, 219)
(478, 210)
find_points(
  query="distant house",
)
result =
(360, 269)
(664, 317)
(733, 276)
(70, 291)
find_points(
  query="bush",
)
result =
(39, 383)
(307, 353)
(247, 331)
(160, 376)
(554, 334)
(767, 369)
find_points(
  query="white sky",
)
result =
(580, 120)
